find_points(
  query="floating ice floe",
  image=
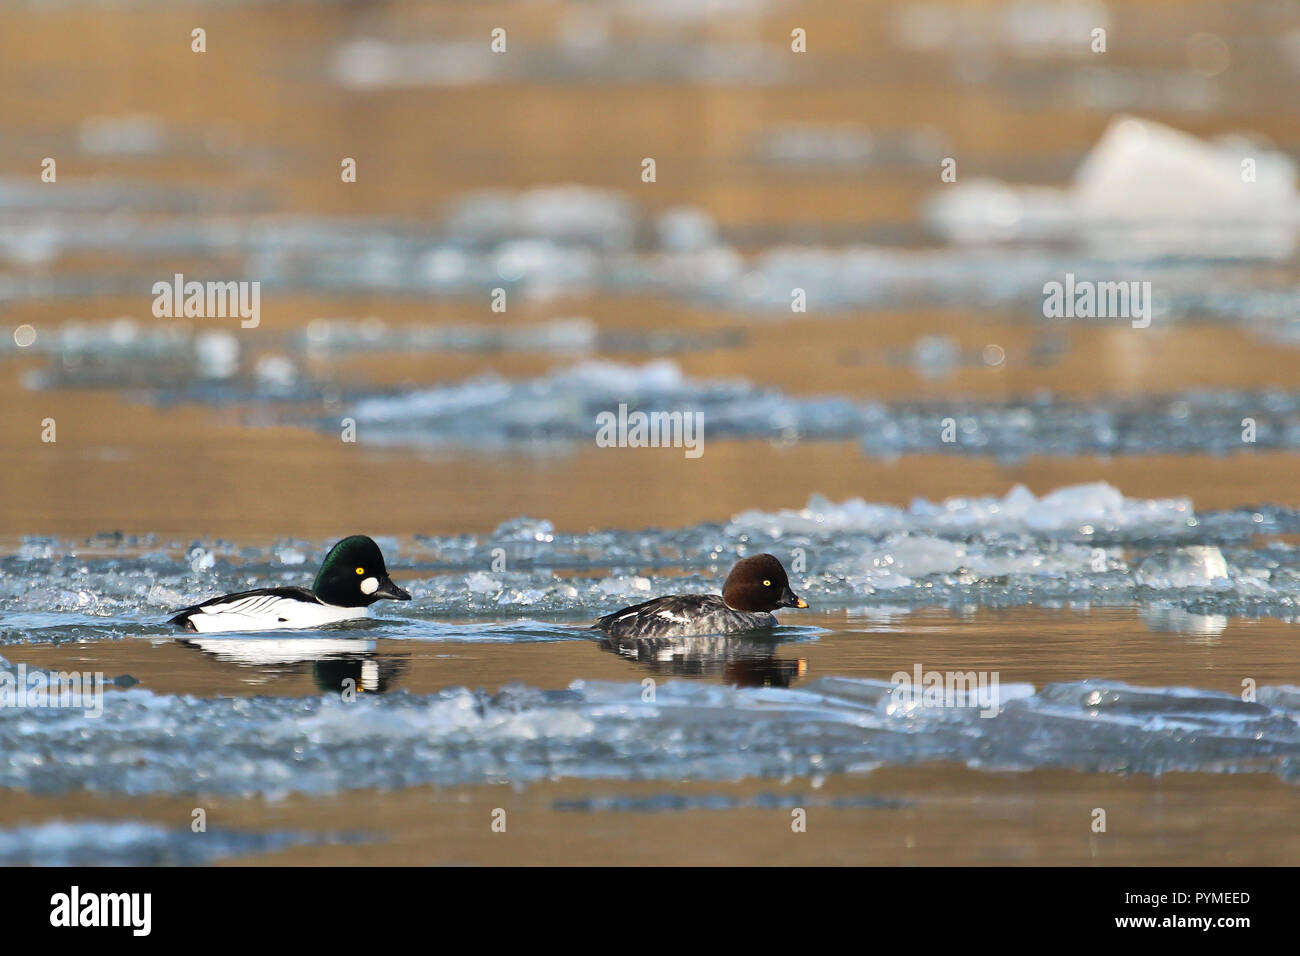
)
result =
(846, 145)
(597, 217)
(183, 360)
(1201, 421)
(347, 336)
(122, 336)
(1089, 508)
(45, 208)
(1144, 189)
(569, 240)
(491, 410)
(135, 134)
(563, 405)
(1085, 543)
(371, 64)
(1196, 566)
(1028, 29)
(580, 56)
(125, 353)
(146, 743)
(131, 843)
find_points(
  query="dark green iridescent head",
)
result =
(353, 575)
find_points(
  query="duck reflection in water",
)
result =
(337, 665)
(738, 660)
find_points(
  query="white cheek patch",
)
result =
(370, 585)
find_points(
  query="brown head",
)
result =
(759, 584)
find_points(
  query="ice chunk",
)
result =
(146, 743)
(130, 843)
(480, 582)
(217, 354)
(1196, 566)
(137, 134)
(1144, 189)
(686, 229)
(525, 529)
(1142, 170)
(935, 356)
(1077, 509)
(1086, 543)
(599, 217)
(276, 371)
(367, 63)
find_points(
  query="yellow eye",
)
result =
(767, 584)
(361, 570)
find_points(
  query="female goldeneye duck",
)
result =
(351, 578)
(755, 587)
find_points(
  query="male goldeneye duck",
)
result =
(755, 587)
(351, 578)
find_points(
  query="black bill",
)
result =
(387, 589)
